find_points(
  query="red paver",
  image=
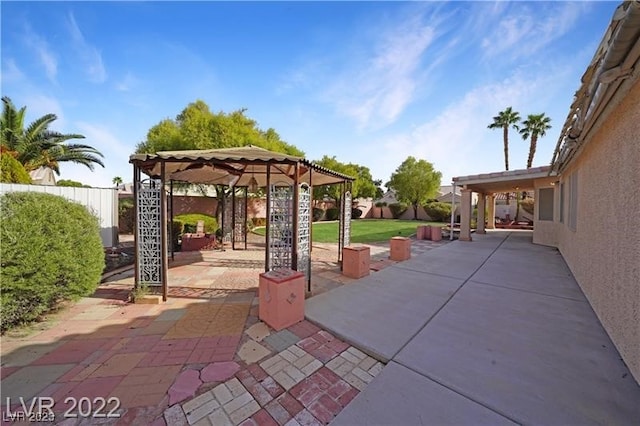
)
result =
(255, 388)
(185, 386)
(323, 346)
(170, 352)
(146, 386)
(219, 371)
(290, 404)
(257, 372)
(324, 394)
(90, 388)
(6, 371)
(137, 344)
(215, 349)
(278, 412)
(73, 351)
(272, 387)
(304, 329)
(263, 418)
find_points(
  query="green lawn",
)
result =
(365, 230)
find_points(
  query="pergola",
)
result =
(486, 185)
(288, 180)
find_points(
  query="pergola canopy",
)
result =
(234, 167)
(508, 181)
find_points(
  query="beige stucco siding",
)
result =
(604, 250)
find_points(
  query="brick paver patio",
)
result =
(203, 357)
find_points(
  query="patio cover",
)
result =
(509, 181)
(235, 167)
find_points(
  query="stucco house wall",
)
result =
(604, 250)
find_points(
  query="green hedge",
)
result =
(51, 252)
(440, 212)
(332, 213)
(11, 171)
(190, 222)
(317, 214)
(397, 209)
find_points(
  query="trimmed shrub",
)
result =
(51, 252)
(356, 213)
(397, 209)
(439, 212)
(527, 205)
(317, 214)
(126, 216)
(332, 213)
(11, 171)
(259, 221)
(190, 222)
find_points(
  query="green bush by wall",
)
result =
(51, 252)
(397, 209)
(190, 222)
(440, 212)
(11, 171)
(332, 213)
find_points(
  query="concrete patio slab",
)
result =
(517, 339)
(399, 396)
(28, 382)
(382, 312)
(532, 357)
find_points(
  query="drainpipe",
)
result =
(453, 208)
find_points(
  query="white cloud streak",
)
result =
(89, 55)
(43, 52)
(376, 91)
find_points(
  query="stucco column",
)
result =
(491, 211)
(480, 218)
(465, 215)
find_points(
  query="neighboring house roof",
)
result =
(43, 176)
(612, 71)
(444, 195)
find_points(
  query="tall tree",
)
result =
(504, 120)
(534, 127)
(415, 182)
(37, 146)
(196, 127)
(362, 187)
(117, 181)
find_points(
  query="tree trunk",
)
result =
(532, 149)
(415, 211)
(505, 137)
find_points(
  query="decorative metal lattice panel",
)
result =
(304, 234)
(345, 222)
(148, 231)
(280, 227)
(240, 217)
(227, 218)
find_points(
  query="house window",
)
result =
(562, 202)
(545, 204)
(573, 201)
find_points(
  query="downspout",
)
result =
(453, 209)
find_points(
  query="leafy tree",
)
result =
(73, 183)
(11, 171)
(117, 181)
(362, 187)
(535, 126)
(196, 127)
(415, 182)
(504, 120)
(37, 146)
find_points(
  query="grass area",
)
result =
(365, 230)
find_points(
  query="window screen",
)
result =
(545, 204)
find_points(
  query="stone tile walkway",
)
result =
(203, 357)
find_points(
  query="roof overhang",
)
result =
(509, 181)
(235, 167)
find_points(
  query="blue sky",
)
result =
(367, 82)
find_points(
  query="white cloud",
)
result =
(526, 30)
(376, 90)
(44, 53)
(89, 55)
(101, 138)
(10, 71)
(127, 83)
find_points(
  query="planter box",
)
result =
(281, 298)
(400, 249)
(356, 261)
(423, 232)
(436, 233)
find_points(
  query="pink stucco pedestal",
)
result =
(400, 248)
(281, 298)
(356, 261)
(436, 233)
(423, 232)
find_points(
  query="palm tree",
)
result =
(117, 181)
(37, 146)
(535, 126)
(504, 120)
